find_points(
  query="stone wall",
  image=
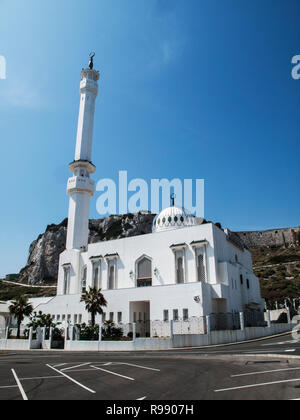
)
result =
(267, 238)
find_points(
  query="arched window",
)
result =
(111, 276)
(144, 272)
(83, 278)
(201, 268)
(96, 274)
(179, 270)
(67, 275)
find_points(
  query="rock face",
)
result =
(42, 263)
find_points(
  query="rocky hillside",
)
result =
(278, 269)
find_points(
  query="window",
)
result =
(179, 255)
(75, 319)
(144, 272)
(79, 319)
(166, 315)
(242, 280)
(63, 318)
(134, 316)
(111, 316)
(103, 317)
(66, 280)
(185, 314)
(248, 284)
(96, 274)
(111, 275)
(200, 266)
(83, 279)
(119, 317)
(58, 318)
(175, 315)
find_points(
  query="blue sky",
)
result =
(189, 89)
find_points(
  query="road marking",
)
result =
(141, 399)
(41, 377)
(282, 343)
(257, 385)
(113, 373)
(10, 386)
(74, 367)
(138, 366)
(72, 380)
(24, 396)
(268, 351)
(263, 372)
(62, 364)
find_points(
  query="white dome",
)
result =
(173, 218)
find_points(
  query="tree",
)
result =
(94, 301)
(41, 320)
(19, 309)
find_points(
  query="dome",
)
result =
(173, 218)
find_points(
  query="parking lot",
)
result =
(144, 377)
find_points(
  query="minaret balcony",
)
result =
(80, 184)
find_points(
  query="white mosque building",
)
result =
(183, 269)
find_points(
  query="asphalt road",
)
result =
(220, 373)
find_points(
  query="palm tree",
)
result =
(19, 309)
(94, 301)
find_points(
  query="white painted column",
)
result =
(208, 326)
(134, 331)
(7, 333)
(171, 328)
(242, 320)
(72, 334)
(269, 319)
(289, 316)
(30, 338)
(50, 337)
(100, 333)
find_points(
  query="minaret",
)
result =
(80, 187)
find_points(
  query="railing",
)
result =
(163, 329)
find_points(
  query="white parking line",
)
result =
(10, 386)
(141, 399)
(263, 372)
(138, 366)
(74, 367)
(257, 385)
(24, 396)
(113, 373)
(41, 377)
(282, 343)
(72, 380)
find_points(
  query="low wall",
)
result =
(13, 344)
(227, 337)
(138, 344)
(186, 340)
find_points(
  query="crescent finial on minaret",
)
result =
(91, 63)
